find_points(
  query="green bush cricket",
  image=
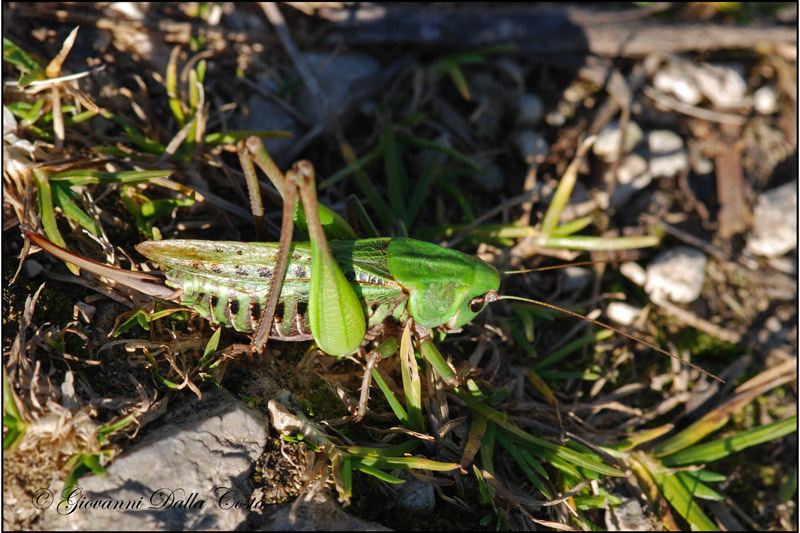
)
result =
(338, 293)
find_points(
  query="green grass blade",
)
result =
(573, 226)
(47, 213)
(563, 352)
(232, 137)
(412, 384)
(404, 462)
(380, 474)
(394, 403)
(29, 63)
(420, 192)
(697, 488)
(62, 199)
(681, 499)
(580, 242)
(717, 449)
(397, 450)
(432, 355)
(393, 167)
(516, 454)
(84, 176)
(360, 164)
(427, 144)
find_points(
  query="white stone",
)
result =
(668, 157)
(622, 313)
(677, 274)
(606, 146)
(775, 222)
(723, 84)
(765, 100)
(675, 80)
(634, 272)
(632, 176)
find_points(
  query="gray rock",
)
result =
(32, 268)
(315, 512)
(531, 110)
(267, 115)
(668, 157)
(575, 278)
(414, 496)
(677, 274)
(532, 146)
(629, 516)
(175, 477)
(775, 222)
(606, 146)
(343, 78)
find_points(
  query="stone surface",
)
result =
(606, 146)
(342, 78)
(174, 478)
(414, 496)
(532, 146)
(765, 100)
(622, 313)
(677, 80)
(315, 512)
(667, 157)
(677, 274)
(775, 222)
(531, 110)
(633, 175)
(723, 84)
(264, 114)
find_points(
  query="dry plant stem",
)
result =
(693, 111)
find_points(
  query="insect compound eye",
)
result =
(476, 304)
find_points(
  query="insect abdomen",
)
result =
(239, 303)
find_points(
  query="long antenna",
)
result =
(555, 267)
(612, 328)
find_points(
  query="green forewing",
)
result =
(438, 279)
(335, 314)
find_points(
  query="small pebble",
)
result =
(632, 176)
(668, 157)
(575, 278)
(634, 272)
(676, 80)
(623, 313)
(532, 146)
(414, 496)
(677, 274)
(32, 268)
(765, 100)
(531, 110)
(723, 84)
(491, 179)
(606, 146)
(775, 222)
